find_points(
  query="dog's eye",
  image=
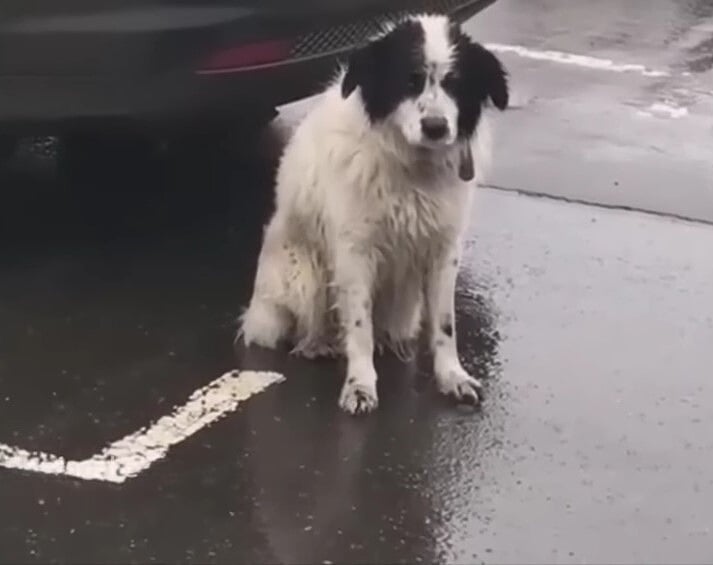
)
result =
(416, 81)
(450, 80)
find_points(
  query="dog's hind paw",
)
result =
(315, 349)
(264, 324)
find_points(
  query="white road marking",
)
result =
(586, 61)
(133, 454)
(664, 110)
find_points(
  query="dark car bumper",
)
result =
(147, 66)
(34, 104)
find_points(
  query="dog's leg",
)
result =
(268, 319)
(354, 276)
(398, 314)
(317, 326)
(451, 378)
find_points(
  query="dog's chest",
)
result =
(410, 219)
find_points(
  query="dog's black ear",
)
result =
(491, 74)
(357, 67)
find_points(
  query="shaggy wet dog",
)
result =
(373, 196)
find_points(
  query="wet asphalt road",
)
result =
(630, 140)
(592, 328)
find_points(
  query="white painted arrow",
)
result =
(133, 454)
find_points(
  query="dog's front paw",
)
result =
(358, 395)
(459, 385)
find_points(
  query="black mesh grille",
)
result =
(340, 37)
(442, 6)
(343, 37)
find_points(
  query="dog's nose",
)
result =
(434, 128)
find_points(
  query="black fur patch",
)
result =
(392, 69)
(478, 77)
(388, 70)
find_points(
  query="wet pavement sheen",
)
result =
(591, 328)
(631, 140)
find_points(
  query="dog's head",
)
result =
(428, 79)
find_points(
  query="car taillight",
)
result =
(239, 57)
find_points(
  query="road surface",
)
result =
(585, 303)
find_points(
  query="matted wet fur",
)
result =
(373, 196)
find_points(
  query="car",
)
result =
(88, 69)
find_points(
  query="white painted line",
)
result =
(664, 110)
(133, 454)
(586, 61)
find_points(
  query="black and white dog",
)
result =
(372, 199)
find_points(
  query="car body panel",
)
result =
(63, 62)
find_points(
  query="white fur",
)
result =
(433, 101)
(363, 247)
(437, 46)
